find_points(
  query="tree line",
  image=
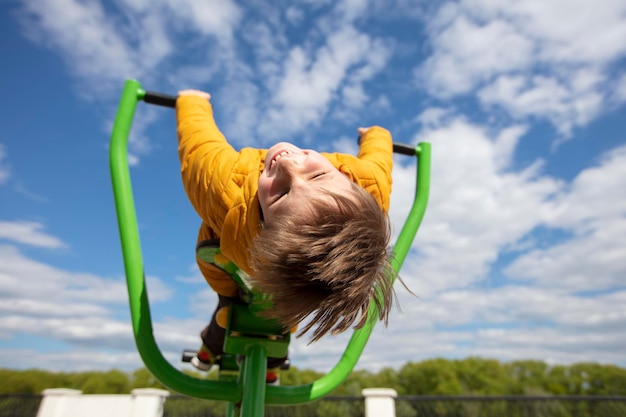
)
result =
(469, 376)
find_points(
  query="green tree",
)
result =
(295, 376)
(110, 382)
(527, 377)
(143, 378)
(479, 376)
(597, 379)
(615, 380)
(430, 377)
(386, 377)
(355, 382)
(561, 381)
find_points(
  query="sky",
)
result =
(522, 251)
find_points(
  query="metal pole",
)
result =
(254, 369)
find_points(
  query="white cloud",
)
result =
(85, 315)
(546, 60)
(135, 40)
(269, 45)
(593, 209)
(434, 117)
(294, 15)
(53, 284)
(22, 190)
(571, 31)
(467, 53)
(82, 359)
(68, 306)
(242, 107)
(213, 17)
(620, 90)
(566, 104)
(42, 308)
(477, 204)
(595, 195)
(103, 48)
(88, 40)
(352, 9)
(508, 323)
(516, 306)
(29, 233)
(311, 81)
(568, 308)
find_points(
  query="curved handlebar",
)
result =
(137, 292)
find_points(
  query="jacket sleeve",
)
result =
(371, 169)
(376, 146)
(206, 159)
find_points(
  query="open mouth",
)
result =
(277, 156)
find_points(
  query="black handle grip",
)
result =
(159, 99)
(401, 148)
(404, 149)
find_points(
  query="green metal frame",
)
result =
(249, 391)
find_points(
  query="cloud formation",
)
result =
(533, 59)
(510, 262)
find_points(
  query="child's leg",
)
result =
(276, 362)
(213, 335)
(213, 342)
(272, 376)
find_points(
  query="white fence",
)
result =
(61, 402)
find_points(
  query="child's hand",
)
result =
(198, 93)
(363, 130)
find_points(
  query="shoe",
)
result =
(202, 361)
(272, 377)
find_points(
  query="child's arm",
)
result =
(205, 156)
(376, 147)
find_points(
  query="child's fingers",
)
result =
(191, 92)
(362, 130)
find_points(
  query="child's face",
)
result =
(292, 176)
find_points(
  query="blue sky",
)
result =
(521, 254)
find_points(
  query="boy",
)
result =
(311, 230)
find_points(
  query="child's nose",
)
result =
(290, 165)
(284, 173)
(290, 172)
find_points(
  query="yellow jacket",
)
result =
(222, 183)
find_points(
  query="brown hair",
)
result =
(333, 265)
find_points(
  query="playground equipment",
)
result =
(248, 336)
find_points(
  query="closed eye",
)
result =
(281, 195)
(319, 174)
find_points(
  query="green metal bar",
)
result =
(133, 264)
(416, 214)
(139, 304)
(330, 381)
(231, 410)
(254, 368)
